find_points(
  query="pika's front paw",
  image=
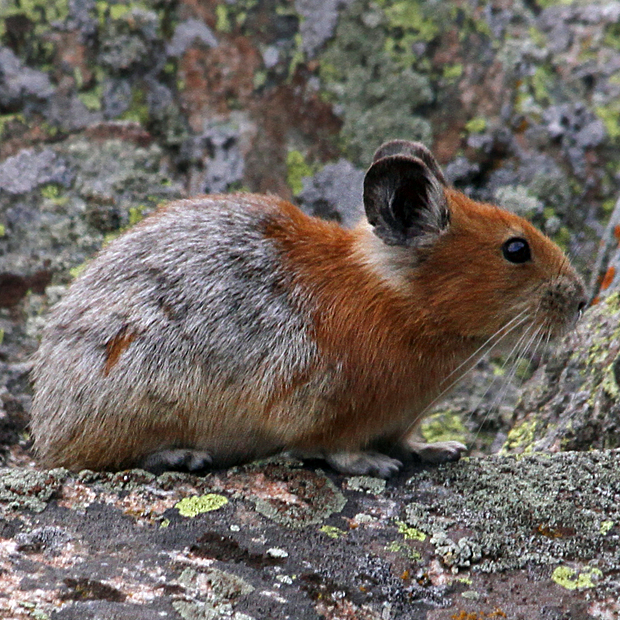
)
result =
(439, 452)
(364, 463)
(176, 459)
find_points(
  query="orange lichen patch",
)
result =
(555, 532)
(145, 507)
(595, 301)
(126, 131)
(608, 278)
(213, 78)
(465, 615)
(617, 232)
(72, 56)
(115, 347)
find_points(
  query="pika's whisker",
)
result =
(523, 345)
(497, 335)
(507, 359)
(485, 351)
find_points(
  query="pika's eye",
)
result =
(516, 250)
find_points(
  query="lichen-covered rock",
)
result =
(28, 169)
(18, 83)
(334, 193)
(491, 537)
(573, 401)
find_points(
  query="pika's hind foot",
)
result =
(364, 463)
(438, 452)
(176, 459)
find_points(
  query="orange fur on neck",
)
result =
(391, 359)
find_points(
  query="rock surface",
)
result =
(573, 401)
(108, 108)
(485, 538)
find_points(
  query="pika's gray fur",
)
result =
(208, 313)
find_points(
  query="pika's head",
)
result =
(477, 269)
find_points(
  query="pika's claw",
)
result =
(364, 463)
(176, 459)
(438, 452)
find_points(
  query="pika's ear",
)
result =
(404, 201)
(412, 149)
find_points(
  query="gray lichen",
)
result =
(29, 489)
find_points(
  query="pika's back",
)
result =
(200, 269)
(189, 306)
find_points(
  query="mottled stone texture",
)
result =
(487, 538)
(573, 401)
(109, 107)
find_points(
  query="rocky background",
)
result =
(108, 108)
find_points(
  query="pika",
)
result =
(226, 328)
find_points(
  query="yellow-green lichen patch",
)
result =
(609, 114)
(443, 426)
(193, 506)
(296, 169)
(404, 550)
(476, 125)
(572, 580)
(410, 533)
(117, 11)
(229, 16)
(39, 12)
(298, 56)
(2, 230)
(563, 237)
(92, 98)
(612, 35)
(74, 272)
(541, 81)
(222, 20)
(136, 214)
(609, 384)
(412, 17)
(537, 37)
(606, 526)
(52, 192)
(6, 119)
(452, 72)
(465, 580)
(521, 437)
(138, 111)
(332, 531)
